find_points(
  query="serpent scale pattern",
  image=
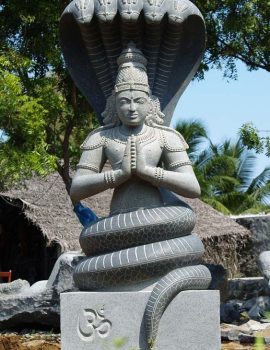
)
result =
(136, 246)
(185, 278)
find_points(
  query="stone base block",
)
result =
(114, 320)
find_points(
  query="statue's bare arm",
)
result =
(179, 177)
(89, 180)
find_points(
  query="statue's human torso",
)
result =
(140, 191)
(116, 143)
(109, 144)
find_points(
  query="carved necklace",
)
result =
(146, 136)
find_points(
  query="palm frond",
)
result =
(259, 181)
(194, 132)
(216, 204)
(245, 169)
(236, 201)
(203, 158)
(262, 193)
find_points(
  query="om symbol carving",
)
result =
(92, 323)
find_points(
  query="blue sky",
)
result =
(225, 105)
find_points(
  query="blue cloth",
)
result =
(85, 214)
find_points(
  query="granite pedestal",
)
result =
(114, 320)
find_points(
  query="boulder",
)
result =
(219, 280)
(34, 309)
(264, 264)
(259, 308)
(14, 287)
(38, 305)
(259, 226)
(61, 278)
(245, 333)
(247, 288)
(229, 313)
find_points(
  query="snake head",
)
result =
(105, 10)
(130, 9)
(154, 10)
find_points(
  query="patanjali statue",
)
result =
(147, 235)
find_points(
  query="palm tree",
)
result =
(195, 134)
(225, 172)
(228, 183)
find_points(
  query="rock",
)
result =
(38, 308)
(14, 287)
(265, 334)
(247, 288)
(38, 287)
(264, 264)
(245, 333)
(219, 280)
(259, 225)
(13, 341)
(229, 334)
(61, 277)
(233, 335)
(261, 305)
(267, 340)
(40, 303)
(229, 313)
(39, 344)
(255, 326)
(246, 338)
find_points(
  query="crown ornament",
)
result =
(132, 73)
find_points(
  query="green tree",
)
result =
(228, 183)
(195, 134)
(23, 148)
(225, 172)
(253, 140)
(236, 30)
(31, 59)
(42, 114)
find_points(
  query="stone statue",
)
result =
(147, 235)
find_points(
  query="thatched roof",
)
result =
(46, 203)
(211, 223)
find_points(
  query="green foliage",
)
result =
(225, 174)
(23, 118)
(236, 29)
(194, 132)
(120, 342)
(250, 138)
(259, 343)
(43, 117)
(229, 185)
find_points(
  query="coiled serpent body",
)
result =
(140, 245)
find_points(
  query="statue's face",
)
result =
(132, 107)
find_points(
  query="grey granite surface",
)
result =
(100, 321)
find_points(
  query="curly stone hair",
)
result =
(155, 115)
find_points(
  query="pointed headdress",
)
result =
(132, 73)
